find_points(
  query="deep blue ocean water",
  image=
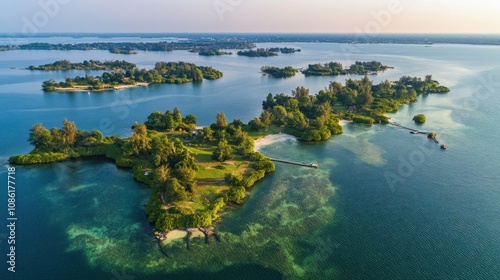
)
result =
(439, 219)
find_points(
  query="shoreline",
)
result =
(99, 90)
(180, 233)
(271, 139)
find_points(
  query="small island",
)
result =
(164, 72)
(419, 119)
(336, 69)
(316, 117)
(285, 50)
(64, 65)
(264, 52)
(258, 53)
(209, 52)
(277, 72)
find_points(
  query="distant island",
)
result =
(336, 69)
(63, 65)
(164, 72)
(132, 48)
(209, 52)
(277, 72)
(263, 52)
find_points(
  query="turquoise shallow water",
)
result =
(440, 219)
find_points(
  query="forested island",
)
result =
(194, 172)
(284, 50)
(266, 52)
(209, 52)
(63, 65)
(277, 72)
(163, 72)
(316, 117)
(336, 69)
(132, 48)
(192, 176)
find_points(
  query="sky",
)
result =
(289, 16)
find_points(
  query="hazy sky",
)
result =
(333, 16)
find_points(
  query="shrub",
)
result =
(420, 118)
(363, 119)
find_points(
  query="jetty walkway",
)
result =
(312, 165)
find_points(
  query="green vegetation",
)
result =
(132, 48)
(301, 114)
(336, 69)
(316, 117)
(432, 135)
(164, 72)
(190, 174)
(209, 52)
(420, 118)
(262, 52)
(86, 65)
(284, 50)
(258, 53)
(276, 72)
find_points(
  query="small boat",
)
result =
(443, 146)
(88, 92)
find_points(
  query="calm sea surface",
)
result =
(384, 204)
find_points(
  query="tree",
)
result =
(190, 119)
(177, 116)
(139, 140)
(269, 103)
(40, 137)
(279, 113)
(97, 135)
(162, 148)
(156, 120)
(222, 152)
(420, 118)
(265, 118)
(169, 121)
(221, 120)
(197, 75)
(206, 134)
(162, 174)
(175, 191)
(68, 133)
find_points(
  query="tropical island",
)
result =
(63, 65)
(336, 69)
(267, 52)
(194, 172)
(192, 176)
(209, 52)
(285, 50)
(277, 72)
(163, 72)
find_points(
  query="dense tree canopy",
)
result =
(164, 72)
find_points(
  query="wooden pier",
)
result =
(312, 165)
(412, 130)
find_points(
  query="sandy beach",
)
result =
(271, 139)
(344, 122)
(181, 234)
